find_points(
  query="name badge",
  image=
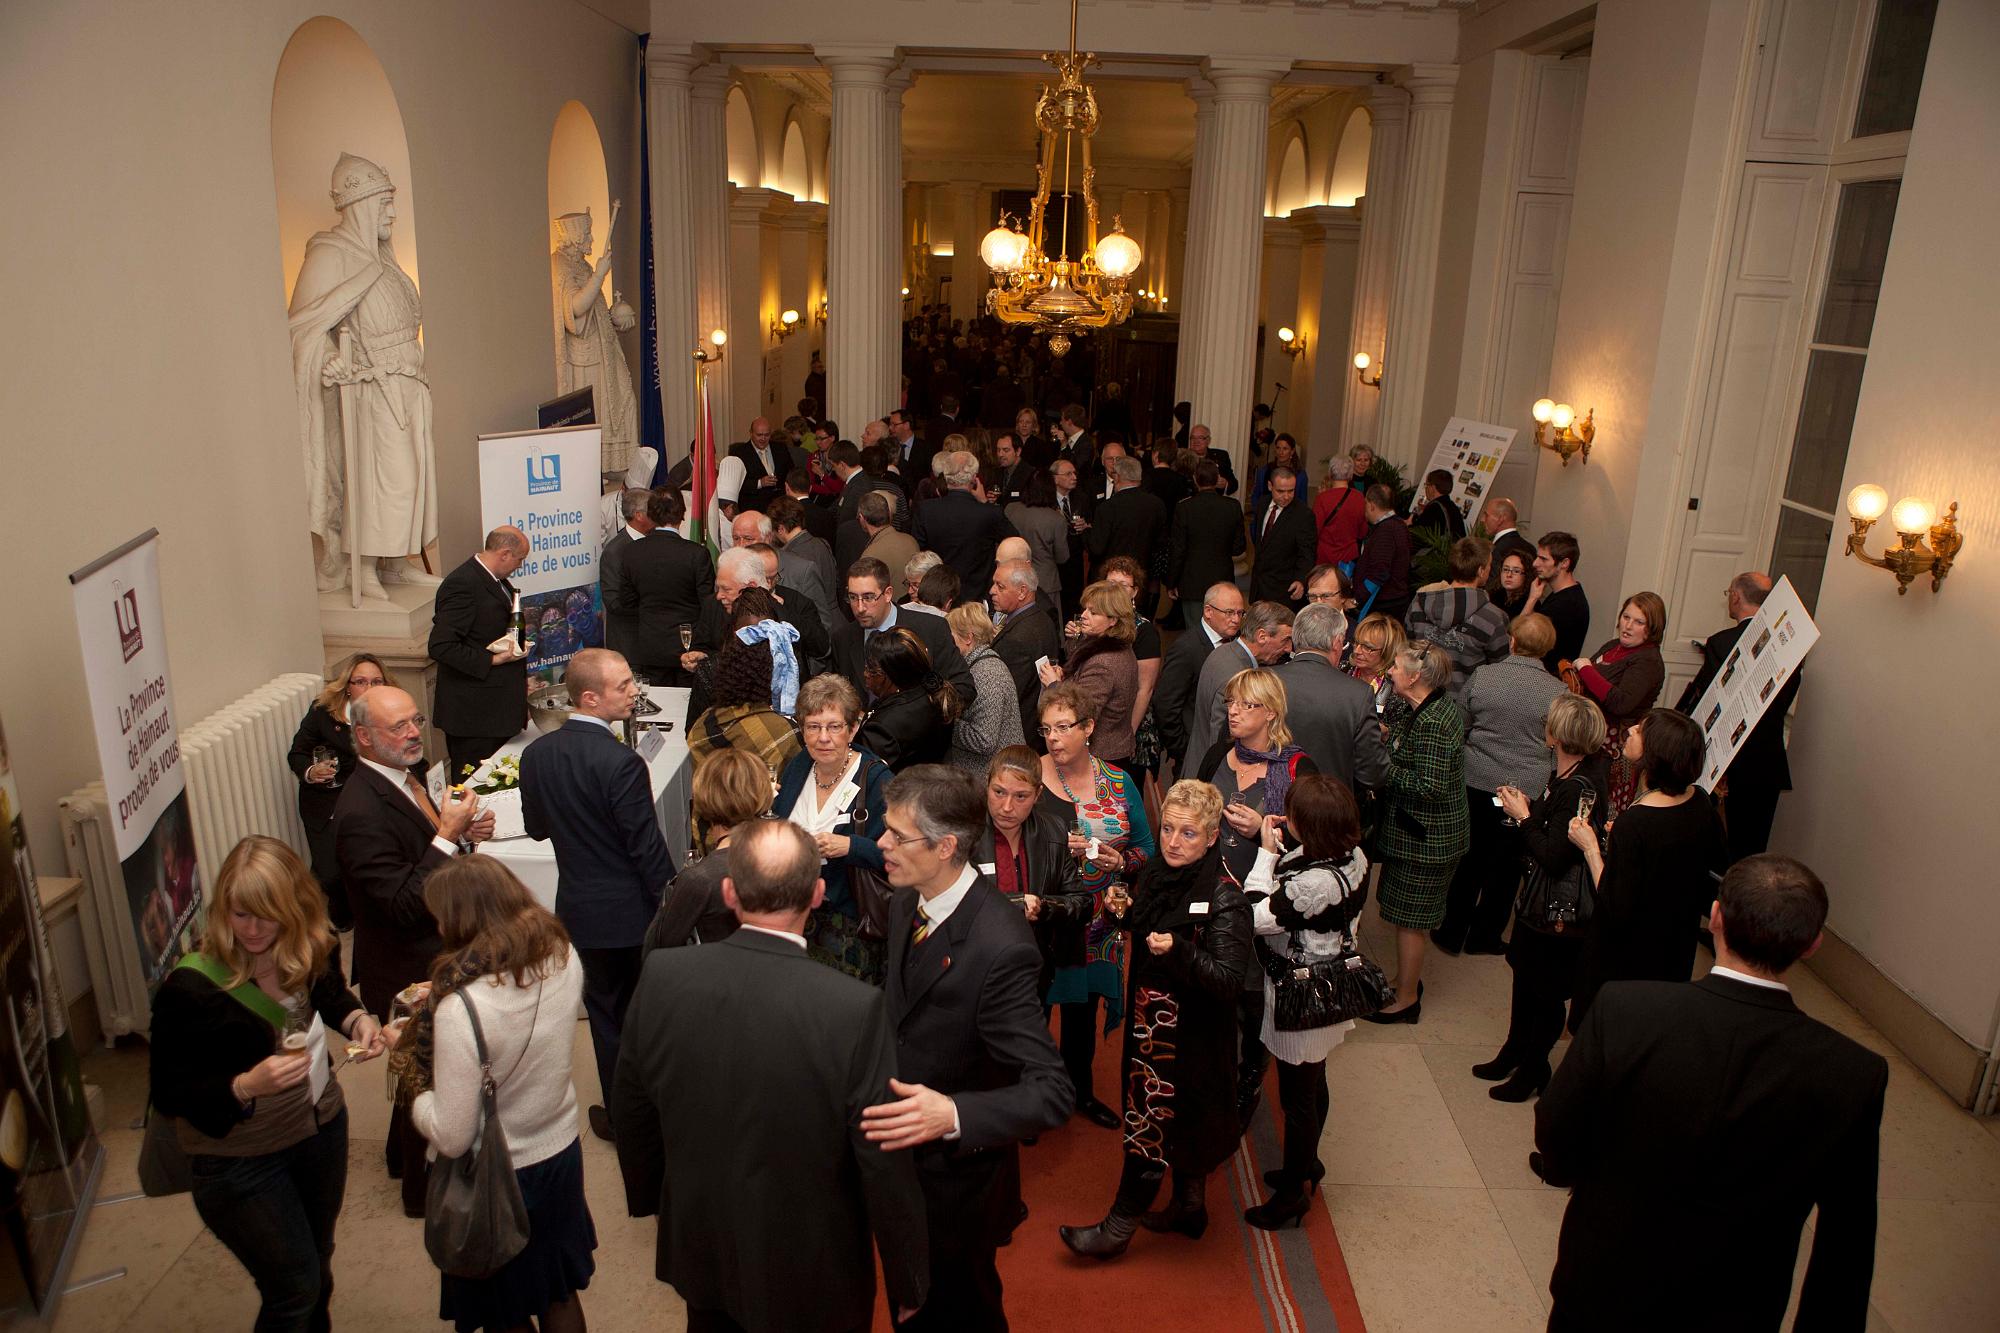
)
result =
(986, 868)
(435, 781)
(1197, 909)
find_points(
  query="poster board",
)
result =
(1767, 653)
(547, 483)
(1472, 452)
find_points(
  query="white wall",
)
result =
(1896, 719)
(147, 372)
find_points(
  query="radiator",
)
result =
(237, 784)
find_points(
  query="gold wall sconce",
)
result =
(1913, 520)
(819, 313)
(1571, 436)
(1292, 341)
(1361, 363)
(785, 325)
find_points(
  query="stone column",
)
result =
(708, 191)
(1279, 305)
(861, 233)
(968, 228)
(669, 111)
(1187, 296)
(1326, 304)
(1223, 330)
(801, 230)
(1171, 280)
(913, 266)
(754, 302)
(1419, 222)
(1388, 112)
(890, 332)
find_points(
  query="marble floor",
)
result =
(1442, 1224)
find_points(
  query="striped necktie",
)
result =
(923, 931)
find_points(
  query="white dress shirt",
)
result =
(937, 911)
(1767, 983)
(399, 778)
(799, 940)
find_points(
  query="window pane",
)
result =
(1800, 552)
(1826, 422)
(1896, 52)
(1854, 269)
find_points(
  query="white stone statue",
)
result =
(350, 283)
(587, 347)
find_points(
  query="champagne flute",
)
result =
(324, 757)
(1117, 899)
(687, 638)
(1586, 802)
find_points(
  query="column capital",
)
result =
(858, 62)
(1327, 222)
(898, 81)
(804, 215)
(1279, 233)
(1200, 91)
(757, 204)
(1245, 78)
(1387, 101)
(1429, 84)
(667, 63)
(711, 82)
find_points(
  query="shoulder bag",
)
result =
(868, 886)
(1320, 992)
(475, 1219)
(1555, 904)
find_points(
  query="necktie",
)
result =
(1270, 517)
(421, 797)
(923, 927)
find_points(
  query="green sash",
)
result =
(250, 995)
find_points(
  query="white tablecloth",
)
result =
(535, 862)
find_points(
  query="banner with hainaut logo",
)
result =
(123, 634)
(546, 483)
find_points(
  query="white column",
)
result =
(1223, 335)
(890, 333)
(1279, 308)
(802, 230)
(1388, 111)
(755, 266)
(669, 86)
(1187, 296)
(968, 227)
(911, 266)
(1173, 264)
(708, 205)
(1419, 222)
(1326, 301)
(861, 233)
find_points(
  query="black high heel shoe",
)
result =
(1499, 1067)
(1187, 1213)
(1278, 1177)
(1524, 1085)
(1286, 1208)
(1413, 1014)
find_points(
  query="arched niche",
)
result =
(794, 178)
(1291, 192)
(742, 132)
(578, 181)
(332, 96)
(1350, 160)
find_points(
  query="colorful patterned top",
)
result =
(1113, 813)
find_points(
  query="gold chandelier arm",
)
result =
(1038, 209)
(1089, 204)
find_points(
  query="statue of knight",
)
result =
(587, 347)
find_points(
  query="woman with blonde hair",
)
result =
(1098, 660)
(508, 962)
(239, 1059)
(322, 756)
(730, 789)
(1377, 641)
(993, 721)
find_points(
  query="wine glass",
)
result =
(1117, 899)
(1506, 819)
(1586, 802)
(325, 757)
(687, 638)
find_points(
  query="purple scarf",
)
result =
(1277, 773)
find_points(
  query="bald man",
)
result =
(1502, 519)
(765, 463)
(482, 692)
(1760, 771)
(592, 797)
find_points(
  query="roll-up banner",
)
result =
(547, 484)
(123, 633)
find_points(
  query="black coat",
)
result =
(794, 608)
(1180, 672)
(850, 653)
(591, 795)
(611, 580)
(667, 581)
(1441, 516)
(1285, 554)
(969, 1024)
(692, 909)
(964, 531)
(1207, 536)
(857, 486)
(316, 800)
(819, 519)
(1055, 877)
(1131, 523)
(1029, 634)
(1762, 761)
(385, 849)
(1727, 1084)
(753, 496)
(905, 728)
(475, 697)
(767, 1218)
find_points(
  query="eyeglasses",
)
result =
(823, 728)
(866, 598)
(899, 841)
(408, 726)
(1323, 597)
(1058, 728)
(364, 683)
(1228, 613)
(1242, 705)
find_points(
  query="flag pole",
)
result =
(702, 456)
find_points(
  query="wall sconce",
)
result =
(1912, 519)
(906, 291)
(1572, 437)
(1291, 341)
(785, 325)
(1361, 364)
(712, 349)
(819, 313)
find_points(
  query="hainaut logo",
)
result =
(126, 608)
(547, 477)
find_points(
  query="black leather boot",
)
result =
(1188, 1212)
(1137, 1185)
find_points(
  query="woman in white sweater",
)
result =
(512, 961)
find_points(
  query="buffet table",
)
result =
(535, 862)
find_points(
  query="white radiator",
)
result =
(237, 784)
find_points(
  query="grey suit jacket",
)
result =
(1203, 715)
(1332, 716)
(806, 563)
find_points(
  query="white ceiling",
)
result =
(983, 115)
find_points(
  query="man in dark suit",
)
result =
(1075, 508)
(1075, 442)
(753, 565)
(766, 1219)
(1207, 530)
(1012, 471)
(1027, 633)
(818, 519)
(1130, 523)
(1697, 1126)
(976, 1070)
(764, 467)
(591, 795)
(1287, 540)
(482, 692)
(1761, 769)
(1198, 442)
(871, 595)
(667, 580)
(959, 526)
(1438, 512)
(1331, 714)
(909, 452)
(1382, 573)
(638, 523)
(388, 836)
(1222, 612)
(1502, 519)
(804, 561)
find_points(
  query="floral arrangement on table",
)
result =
(502, 774)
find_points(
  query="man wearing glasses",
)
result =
(1222, 611)
(871, 596)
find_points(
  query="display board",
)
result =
(123, 633)
(1472, 452)
(547, 484)
(1771, 647)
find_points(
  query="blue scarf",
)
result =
(1277, 773)
(779, 638)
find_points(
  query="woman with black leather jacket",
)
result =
(1025, 851)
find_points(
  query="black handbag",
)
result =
(868, 886)
(475, 1219)
(163, 1163)
(1555, 904)
(1309, 993)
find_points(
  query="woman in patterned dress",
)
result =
(1100, 804)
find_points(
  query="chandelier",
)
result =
(1061, 295)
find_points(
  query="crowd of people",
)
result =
(1013, 733)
